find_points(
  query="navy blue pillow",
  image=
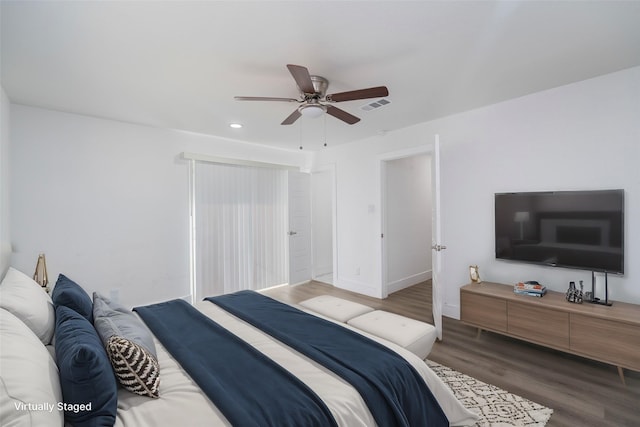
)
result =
(86, 376)
(70, 294)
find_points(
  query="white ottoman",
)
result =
(417, 337)
(335, 308)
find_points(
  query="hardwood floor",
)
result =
(580, 391)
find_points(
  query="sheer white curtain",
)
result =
(240, 228)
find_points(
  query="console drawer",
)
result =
(606, 340)
(538, 324)
(483, 311)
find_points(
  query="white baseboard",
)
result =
(359, 287)
(408, 281)
(451, 310)
(322, 270)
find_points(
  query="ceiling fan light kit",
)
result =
(313, 97)
(312, 110)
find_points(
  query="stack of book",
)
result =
(533, 289)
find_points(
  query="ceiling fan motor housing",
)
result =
(320, 85)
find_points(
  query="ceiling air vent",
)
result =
(375, 104)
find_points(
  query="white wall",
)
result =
(407, 221)
(5, 230)
(358, 199)
(108, 201)
(581, 136)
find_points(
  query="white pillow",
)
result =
(28, 377)
(23, 297)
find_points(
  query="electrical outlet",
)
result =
(114, 295)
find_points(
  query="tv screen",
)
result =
(574, 229)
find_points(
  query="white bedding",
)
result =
(181, 402)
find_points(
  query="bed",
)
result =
(30, 374)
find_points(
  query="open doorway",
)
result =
(432, 219)
(322, 227)
(407, 221)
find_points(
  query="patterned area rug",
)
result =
(496, 407)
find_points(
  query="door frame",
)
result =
(382, 159)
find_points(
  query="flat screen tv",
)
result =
(573, 229)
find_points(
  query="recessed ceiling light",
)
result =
(235, 125)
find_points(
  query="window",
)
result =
(239, 228)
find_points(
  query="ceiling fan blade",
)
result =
(263, 98)
(292, 118)
(301, 76)
(342, 115)
(372, 92)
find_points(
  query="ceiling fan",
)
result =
(314, 101)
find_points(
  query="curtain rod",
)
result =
(238, 162)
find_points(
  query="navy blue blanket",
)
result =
(249, 388)
(394, 392)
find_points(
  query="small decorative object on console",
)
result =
(595, 300)
(588, 296)
(530, 288)
(474, 274)
(573, 294)
(40, 275)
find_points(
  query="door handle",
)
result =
(292, 233)
(438, 248)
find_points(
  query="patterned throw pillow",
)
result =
(137, 370)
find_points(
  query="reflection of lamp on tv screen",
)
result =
(574, 229)
(521, 217)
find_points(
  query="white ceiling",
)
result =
(178, 64)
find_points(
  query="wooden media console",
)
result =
(607, 334)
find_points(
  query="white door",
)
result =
(437, 244)
(322, 185)
(299, 227)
